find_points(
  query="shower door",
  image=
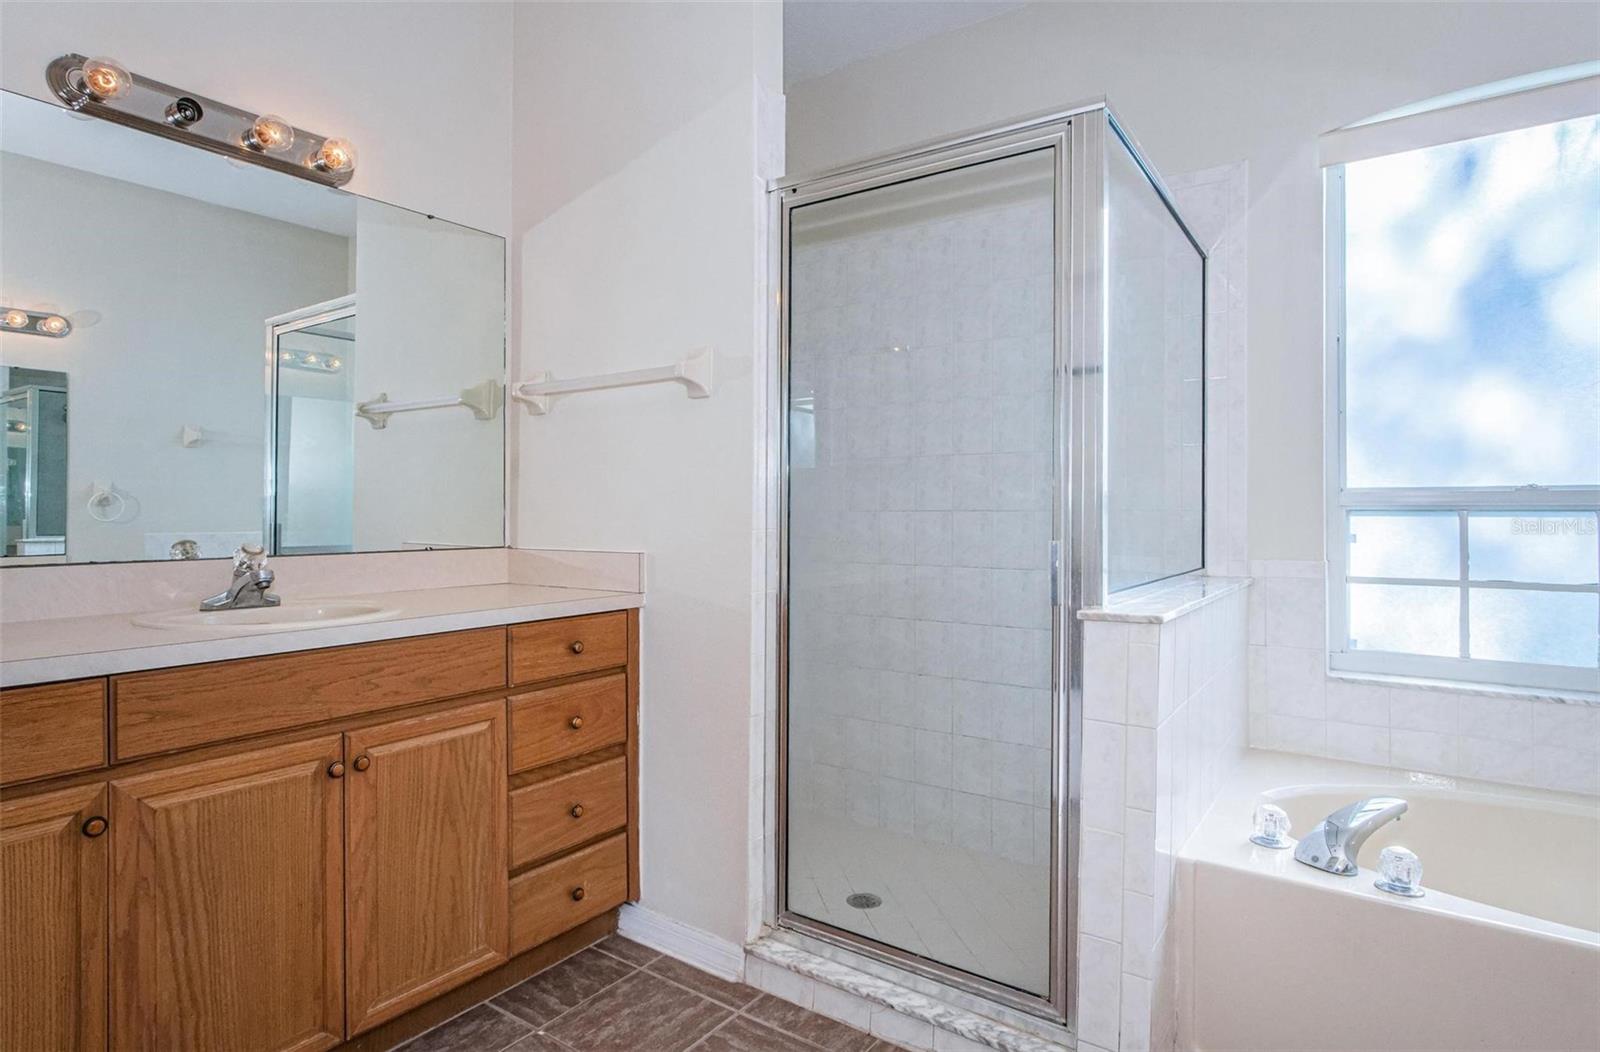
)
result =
(923, 781)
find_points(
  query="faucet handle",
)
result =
(248, 558)
(1400, 872)
(1271, 826)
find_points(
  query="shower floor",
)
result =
(979, 913)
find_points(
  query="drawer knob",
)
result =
(577, 811)
(577, 646)
(94, 826)
(576, 723)
(362, 762)
(336, 769)
(577, 894)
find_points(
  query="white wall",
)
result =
(640, 222)
(420, 88)
(161, 344)
(1203, 85)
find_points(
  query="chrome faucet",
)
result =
(251, 580)
(1334, 844)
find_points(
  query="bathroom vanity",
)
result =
(299, 849)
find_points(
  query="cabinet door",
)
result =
(427, 897)
(53, 905)
(226, 903)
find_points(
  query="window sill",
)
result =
(1453, 686)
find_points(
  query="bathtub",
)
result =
(1503, 951)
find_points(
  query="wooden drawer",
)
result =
(552, 816)
(550, 649)
(561, 895)
(52, 729)
(177, 708)
(569, 720)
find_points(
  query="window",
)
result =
(1464, 328)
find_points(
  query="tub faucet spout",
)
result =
(1336, 841)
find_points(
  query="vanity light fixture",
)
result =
(33, 322)
(102, 88)
(269, 134)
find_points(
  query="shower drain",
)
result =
(863, 900)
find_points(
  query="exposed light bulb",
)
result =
(270, 134)
(105, 79)
(335, 155)
(15, 319)
(54, 325)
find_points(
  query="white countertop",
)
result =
(103, 645)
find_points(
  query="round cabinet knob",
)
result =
(362, 762)
(1271, 827)
(577, 811)
(577, 894)
(93, 827)
(1399, 872)
(336, 769)
(577, 646)
(576, 723)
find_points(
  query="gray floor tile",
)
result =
(478, 1029)
(734, 995)
(809, 1026)
(642, 1013)
(746, 1035)
(627, 950)
(554, 990)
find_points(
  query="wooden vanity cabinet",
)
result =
(227, 903)
(321, 852)
(53, 873)
(428, 887)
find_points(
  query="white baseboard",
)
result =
(705, 951)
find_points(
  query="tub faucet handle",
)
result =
(1399, 872)
(1271, 827)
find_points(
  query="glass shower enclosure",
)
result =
(991, 361)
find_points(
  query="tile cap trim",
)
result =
(1167, 600)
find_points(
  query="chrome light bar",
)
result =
(104, 89)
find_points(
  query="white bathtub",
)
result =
(1503, 952)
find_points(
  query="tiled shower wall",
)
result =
(1164, 721)
(1296, 706)
(920, 519)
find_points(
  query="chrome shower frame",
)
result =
(1079, 139)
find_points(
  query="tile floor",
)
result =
(619, 996)
(974, 910)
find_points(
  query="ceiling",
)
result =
(820, 36)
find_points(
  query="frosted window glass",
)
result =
(1551, 547)
(1405, 544)
(1547, 628)
(1472, 341)
(1408, 619)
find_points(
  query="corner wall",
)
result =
(640, 170)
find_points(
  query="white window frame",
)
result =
(1341, 500)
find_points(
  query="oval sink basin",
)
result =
(288, 615)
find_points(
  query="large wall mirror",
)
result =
(233, 335)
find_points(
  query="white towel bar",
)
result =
(694, 373)
(484, 400)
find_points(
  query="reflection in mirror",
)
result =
(34, 493)
(215, 360)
